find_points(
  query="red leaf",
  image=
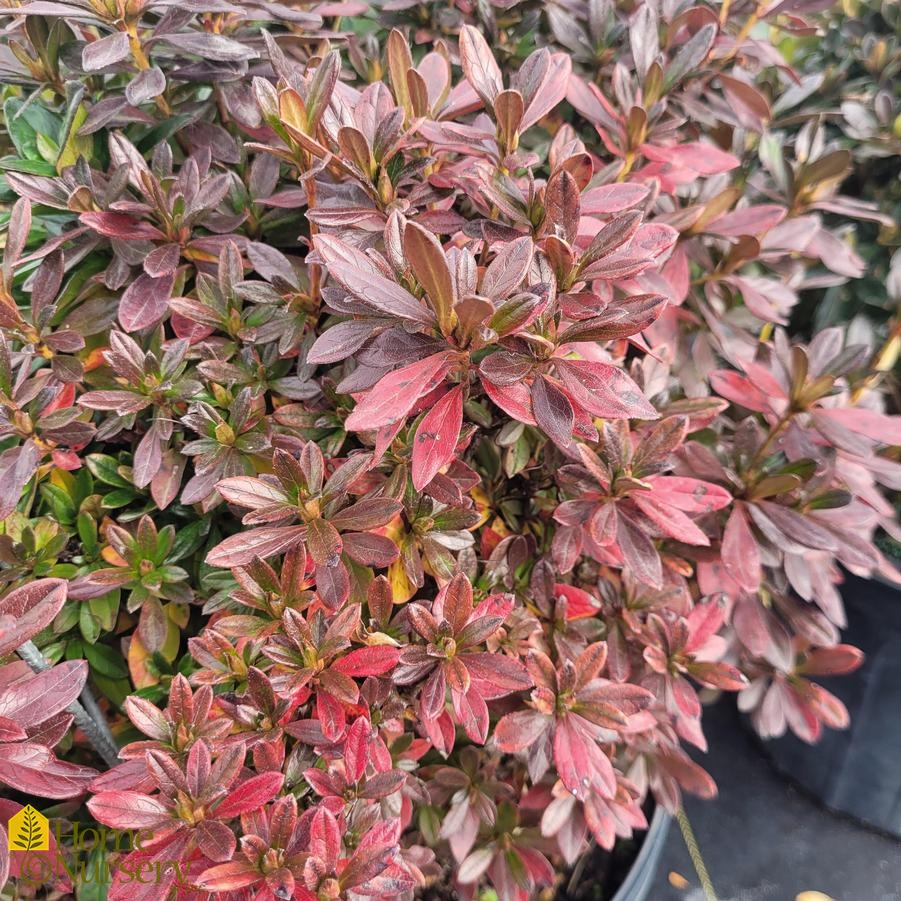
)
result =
(37, 697)
(739, 390)
(639, 553)
(835, 661)
(472, 714)
(396, 393)
(33, 769)
(436, 437)
(520, 730)
(27, 610)
(215, 840)
(454, 603)
(669, 520)
(228, 877)
(127, 810)
(325, 837)
(250, 795)
(579, 760)
(604, 390)
(331, 716)
(356, 749)
(359, 275)
(371, 661)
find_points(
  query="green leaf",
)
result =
(47, 148)
(117, 690)
(188, 540)
(119, 498)
(106, 608)
(20, 131)
(106, 469)
(105, 661)
(87, 532)
(88, 624)
(66, 618)
(29, 167)
(61, 505)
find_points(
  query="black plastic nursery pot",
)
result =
(624, 874)
(637, 885)
(858, 771)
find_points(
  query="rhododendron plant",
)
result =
(417, 422)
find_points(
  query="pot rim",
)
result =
(643, 869)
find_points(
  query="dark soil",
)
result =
(598, 875)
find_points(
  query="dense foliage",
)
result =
(401, 426)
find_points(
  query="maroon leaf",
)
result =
(479, 65)
(106, 51)
(145, 301)
(121, 226)
(553, 411)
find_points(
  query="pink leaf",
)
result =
(741, 555)
(121, 226)
(240, 549)
(479, 65)
(604, 390)
(690, 495)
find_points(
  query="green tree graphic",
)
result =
(30, 835)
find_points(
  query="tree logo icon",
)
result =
(29, 831)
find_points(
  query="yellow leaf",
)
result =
(64, 480)
(402, 588)
(138, 656)
(169, 650)
(813, 896)
(76, 145)
(178, 613)
(112, 557)
(483, 506)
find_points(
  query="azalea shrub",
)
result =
(402, 431)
